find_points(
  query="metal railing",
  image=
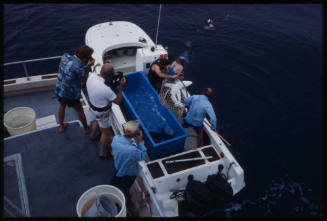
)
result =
(30, 61)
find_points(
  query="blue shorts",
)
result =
(196, 128)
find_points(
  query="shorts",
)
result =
(196, 128)
(68, 102)
(103, 118)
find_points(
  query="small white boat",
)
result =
(120, 35)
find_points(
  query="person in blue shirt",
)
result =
(73, 71)
(127, 149)
(198, 107)
(177, 66)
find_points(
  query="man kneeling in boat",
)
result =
(100, 99)
(128, 149)
(199, 106)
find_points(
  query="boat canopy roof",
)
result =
(116, 34)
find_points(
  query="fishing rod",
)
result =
(221, 137)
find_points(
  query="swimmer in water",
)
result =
(209, 24)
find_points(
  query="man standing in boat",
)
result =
(158, 72)
(128, 149)
(72, 73)
(101, 97)
(199, 106)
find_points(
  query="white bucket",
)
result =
(19, 120)
(89, 197)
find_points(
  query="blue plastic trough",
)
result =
(163, 134)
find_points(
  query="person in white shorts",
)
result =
(101, 97)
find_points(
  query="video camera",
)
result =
(112, 80)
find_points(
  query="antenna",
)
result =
(158, 24)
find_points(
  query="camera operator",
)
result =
(101, 97)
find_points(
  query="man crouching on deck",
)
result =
(127, 152)
(199, 106)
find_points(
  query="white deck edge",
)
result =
(21, 182)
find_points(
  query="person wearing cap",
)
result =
(73, 72)
(158, 72)
(101, 97)
(128, 149)
(198, 107)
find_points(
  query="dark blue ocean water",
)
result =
(264, 63)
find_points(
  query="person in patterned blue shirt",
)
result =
(198, 107)
(73, 72)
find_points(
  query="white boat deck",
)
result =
(44, 103)
(114, 35)
(58, 168)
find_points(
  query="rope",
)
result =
(158, 24)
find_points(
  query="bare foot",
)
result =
(87, 130)
(63, 127)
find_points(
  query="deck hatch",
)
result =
(155, 170)
(180, 166)
(210, 151)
